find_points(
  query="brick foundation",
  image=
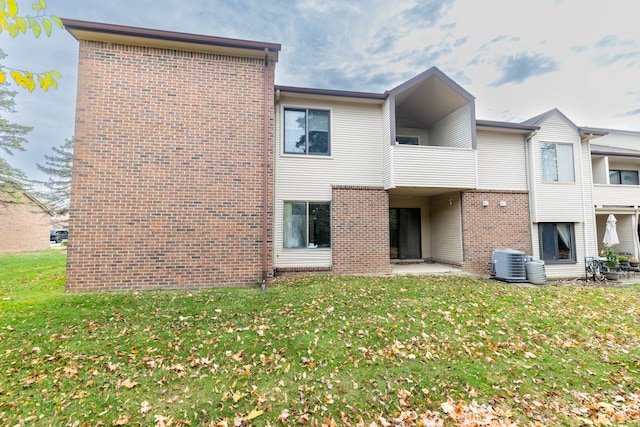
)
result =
(168, 163)
(493, 227)
(360, 230)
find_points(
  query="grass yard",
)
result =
(402, 351)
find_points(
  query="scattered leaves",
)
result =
(326, 351)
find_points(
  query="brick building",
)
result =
(24, 223)
(213, 175)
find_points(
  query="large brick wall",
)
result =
(493, 227)
(168, 162)
(360, 230)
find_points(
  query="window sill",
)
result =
(554, 262)
(559, 182)
(306, 249)
(306, 156)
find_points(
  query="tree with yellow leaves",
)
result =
(12, 22)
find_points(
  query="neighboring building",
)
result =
(212, 175)
(24, 223)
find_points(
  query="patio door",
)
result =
(404, 233)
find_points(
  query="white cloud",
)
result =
(580, 56)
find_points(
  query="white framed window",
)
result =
(307, 131)
(307, 225)
(623, 177)
(557, 162)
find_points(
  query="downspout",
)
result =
(528, 156)
(265, 171)
(584, 205)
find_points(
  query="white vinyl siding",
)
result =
(616, 195)
(356, 159)
(557, 201)
(446, 220)
(426, 166)
(455, 130)
(589, 246)
(501, 161)
(599, 170)
(386, 143)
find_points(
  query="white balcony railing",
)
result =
(616, 195)
(432, 166)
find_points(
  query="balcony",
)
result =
(616, 195)
(432, 167)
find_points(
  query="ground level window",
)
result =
(307, 225)
(557, 242)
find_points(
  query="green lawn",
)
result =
(325, 350)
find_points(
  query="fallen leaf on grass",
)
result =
(284, 416)
(127, 384)
(237, 396)
(145, 408)
(122, 420)
(162, 421)
(254, 414)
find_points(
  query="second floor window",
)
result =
(623, 177)
(306, 131)
(557, 162)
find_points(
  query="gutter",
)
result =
(265, 170)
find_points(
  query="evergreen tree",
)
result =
(58, 166)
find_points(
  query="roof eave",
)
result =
(330, 93)
(86, 30)
(592, 132)
(506, 126)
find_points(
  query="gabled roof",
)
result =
(582, 131)
(85, 30)
(14, 194)
(425, 76)
(429, 96)
(540, 118)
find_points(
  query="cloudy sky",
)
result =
(518, 58)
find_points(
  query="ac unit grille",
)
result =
(509, 265)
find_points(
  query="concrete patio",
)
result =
(420, 267)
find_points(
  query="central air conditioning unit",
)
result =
(509, 265)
